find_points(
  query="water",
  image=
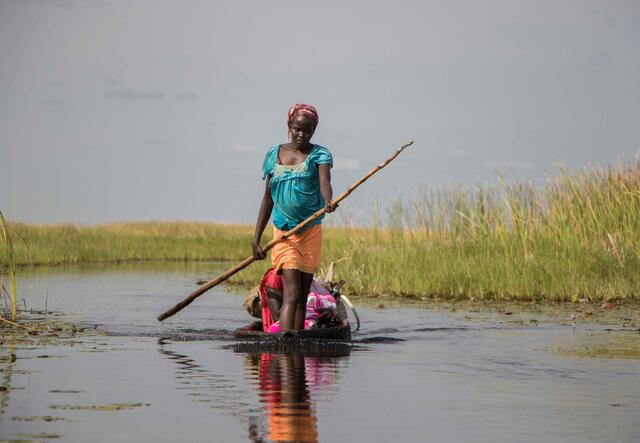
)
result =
(412, 374)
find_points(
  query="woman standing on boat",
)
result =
(298, 183)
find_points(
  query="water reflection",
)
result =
(284, 391)
(286, 383)
(7, 359)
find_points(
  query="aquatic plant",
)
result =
(575, 236)
(11, 265)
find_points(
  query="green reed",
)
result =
(11, 266)
(575, 236)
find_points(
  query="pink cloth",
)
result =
(272, 280)
(275, 327)
(319, 301)
(317, 304)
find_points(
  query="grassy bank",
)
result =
(576, 236)
(70, 244)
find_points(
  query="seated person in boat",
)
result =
(265, 302)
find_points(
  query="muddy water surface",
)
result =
(413, 373)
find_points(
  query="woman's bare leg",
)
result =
(301, 308)
(290, 297)
(295, 288)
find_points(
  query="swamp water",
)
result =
(413, 373)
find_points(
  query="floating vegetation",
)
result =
(607, 344)
(46, 418)
(24, 371)
(110, 407)
(34, 330)
(8, 358)
(39, 435)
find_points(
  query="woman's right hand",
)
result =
(258, 253)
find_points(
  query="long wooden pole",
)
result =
(247, 261)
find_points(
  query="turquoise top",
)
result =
(295, 189)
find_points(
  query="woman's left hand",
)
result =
(330, 206)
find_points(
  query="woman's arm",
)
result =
(263, 218)
(324, 174)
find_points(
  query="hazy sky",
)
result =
(162, 110)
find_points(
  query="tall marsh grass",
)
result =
(575, 236)
(11, 267)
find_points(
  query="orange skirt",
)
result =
(300, 251)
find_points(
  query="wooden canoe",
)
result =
(340, 330)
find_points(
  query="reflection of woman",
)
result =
(283, 386)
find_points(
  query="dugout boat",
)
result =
(338, 329)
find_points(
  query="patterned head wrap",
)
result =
(306, 110)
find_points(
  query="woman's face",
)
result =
(301, 130)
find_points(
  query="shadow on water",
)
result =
(284, 378)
